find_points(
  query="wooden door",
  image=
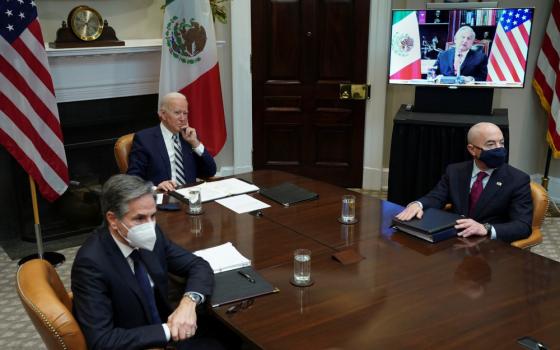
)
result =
(301, 51)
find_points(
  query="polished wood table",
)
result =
(404, 294)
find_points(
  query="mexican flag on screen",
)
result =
(405, 46)
(189, 65)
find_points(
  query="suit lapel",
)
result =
(463, 188)
(123, 268)
(492, 188)
(162, 150)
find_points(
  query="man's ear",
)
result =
(471, 150)
(111, 219)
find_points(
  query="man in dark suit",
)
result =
(170, 154)
(494, 197)
(119, 276)
(463, 59)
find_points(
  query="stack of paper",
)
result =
(242, 203)
(210, 191)
(223, 257)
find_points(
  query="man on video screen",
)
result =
(463, 59)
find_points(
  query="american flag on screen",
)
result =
(508, 56)
(29, 124)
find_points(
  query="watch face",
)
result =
(86, 23)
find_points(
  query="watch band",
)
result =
(488, 228)
(194, 297)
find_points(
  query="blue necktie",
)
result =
(144, 283)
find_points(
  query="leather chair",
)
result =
(49, 305)
(122, 150)
(540, 206)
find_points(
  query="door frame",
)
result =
(374, 176)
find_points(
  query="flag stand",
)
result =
(544, 181)
(54, 258)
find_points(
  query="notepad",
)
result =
(210, 191)
(223, 257)
(242, 203)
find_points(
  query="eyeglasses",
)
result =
(245, 304)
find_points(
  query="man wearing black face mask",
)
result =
(494, 197)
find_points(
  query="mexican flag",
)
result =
(405, 46)
(189, 65)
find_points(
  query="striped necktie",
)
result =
(178, 161)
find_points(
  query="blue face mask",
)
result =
(494, 157)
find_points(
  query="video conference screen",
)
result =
(467, 47)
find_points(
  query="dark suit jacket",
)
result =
(108, 302)
(148, 158)
(474, 65)
(505, 202)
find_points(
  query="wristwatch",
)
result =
(194, 297)
(488, 228)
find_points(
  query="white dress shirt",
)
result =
(170, 147)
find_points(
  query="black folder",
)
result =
(231, 286)
(287, 194)
(435, 225)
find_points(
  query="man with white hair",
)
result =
(170, 154)
(494, 197)
(463, 59)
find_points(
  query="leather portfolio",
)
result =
(287, 194)
(435, 225)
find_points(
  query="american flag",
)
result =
(508, 56)
(546, 80)
(29, 124)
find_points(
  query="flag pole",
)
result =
(544, 181)
(37, 223)
(52, 257)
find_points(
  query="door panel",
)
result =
(301, 51)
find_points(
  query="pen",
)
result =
(247, 276)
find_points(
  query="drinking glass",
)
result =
(302, 267)
(195, 201)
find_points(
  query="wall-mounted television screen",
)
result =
(462, 47)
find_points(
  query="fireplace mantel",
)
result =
(81, 74)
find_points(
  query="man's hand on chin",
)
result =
(469, 227)
(182, 322)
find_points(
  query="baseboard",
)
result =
(229, 170)
(553, 186)
(375, 179)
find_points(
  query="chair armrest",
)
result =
(531, 241)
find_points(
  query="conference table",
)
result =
(404, 294)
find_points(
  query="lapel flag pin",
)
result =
(499, 183)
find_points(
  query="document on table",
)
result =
(223, 257)
(219, 189)
(242, 203)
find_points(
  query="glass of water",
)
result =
(195, 201)
(302, 267)
(348, 211)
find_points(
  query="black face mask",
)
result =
(493, 158)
